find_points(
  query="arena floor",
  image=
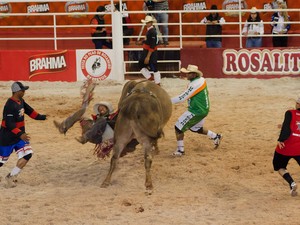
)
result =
(235, 184)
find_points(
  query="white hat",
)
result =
(279, 1)
(107, 104)
(192, 69)
(253, 10)
(147, 19)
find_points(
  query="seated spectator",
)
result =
(214, 27)
(253, 29)
(99, 31)
(280, 26)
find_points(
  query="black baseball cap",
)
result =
(18, 86)
(101, 8)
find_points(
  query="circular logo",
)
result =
(96, 65)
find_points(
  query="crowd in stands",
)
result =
(253, 27)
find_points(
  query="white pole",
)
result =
(117, 37)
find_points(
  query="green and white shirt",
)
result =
(197, 96)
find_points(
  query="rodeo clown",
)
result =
(13, 136)
(198, 107)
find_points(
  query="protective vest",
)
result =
(292, 144)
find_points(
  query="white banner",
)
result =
(95, 64)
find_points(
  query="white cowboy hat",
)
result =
(147, 19)
(107, 104)
(253, 10)
(192, 69)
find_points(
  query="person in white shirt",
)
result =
(253, 29)
(280, 26)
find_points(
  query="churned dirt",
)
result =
(234, 184)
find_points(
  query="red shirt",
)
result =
(292, 144)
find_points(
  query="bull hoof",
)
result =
(149, 187)
(60, 127)
(104, 184)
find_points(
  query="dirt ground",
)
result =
(234, 184)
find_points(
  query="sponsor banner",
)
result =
(96, 64)
(47, 63)
(39, 7)
(234, 5)
(261, 62)
(30, 65)
(244, 63)
(5, 8)
(76, 7)
(194, 6)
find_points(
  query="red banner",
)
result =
(243, 63)
(38, 65)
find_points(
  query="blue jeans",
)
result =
(163, 18)
(213, 44)
(253, 42)
(100, 42)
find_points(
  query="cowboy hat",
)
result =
(192, 69)
(147, 19)
(106, 104)
(253, 10)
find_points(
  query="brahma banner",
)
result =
(34, 65)
(47, 63)
(39, 7)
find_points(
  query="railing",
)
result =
(55, 35)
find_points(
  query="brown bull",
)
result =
(145, 108)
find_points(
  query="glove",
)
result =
(42, 117)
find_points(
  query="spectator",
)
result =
(288, 146)
(214, 27)
(127, 29)
(280, 26)
(253, 28)
(149, 6)
(162, 17)
(99, 31)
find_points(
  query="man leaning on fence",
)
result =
(214, 24)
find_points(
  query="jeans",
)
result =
(281, 41)
(100, 42)
(253, 42)
(163, 18)
(213, 44)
